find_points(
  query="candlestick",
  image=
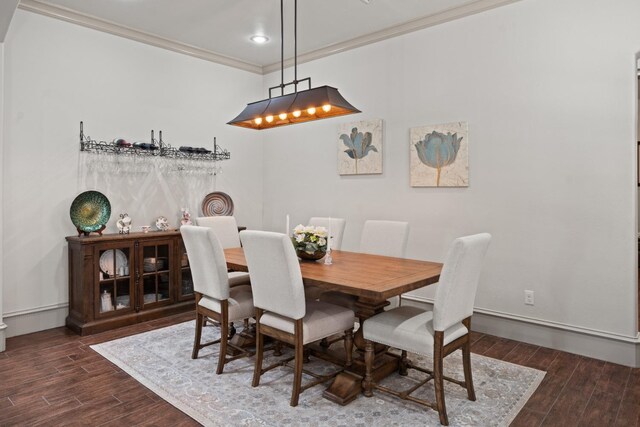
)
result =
(287, 229)
(329, 236)
(327, 258)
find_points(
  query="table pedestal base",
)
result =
(348, 384)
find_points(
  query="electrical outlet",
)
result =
(528, 297)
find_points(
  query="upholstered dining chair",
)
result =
(225, 227)
(215, 297)
(226, 231)
(281, 309)
(336, 225)
(436, 333)
(386, 238)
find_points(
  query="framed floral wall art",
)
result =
(440, 155)
(360, 147)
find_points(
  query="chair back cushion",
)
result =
(388, 238)
(225, 228)
(207, 262)
(337, 229)
(459, 280)
(276, 281)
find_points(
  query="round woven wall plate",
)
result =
(217, 204)
(90, 211)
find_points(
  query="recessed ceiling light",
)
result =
(260, 39)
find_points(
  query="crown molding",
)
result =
(395, 31)
(88, 21)
(73, 17)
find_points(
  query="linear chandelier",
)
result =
(298, 107)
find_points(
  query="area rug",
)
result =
(161, 360)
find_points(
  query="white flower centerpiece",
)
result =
(310, 242)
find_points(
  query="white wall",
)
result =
(548, 90)
(3, 327)
(57, 74)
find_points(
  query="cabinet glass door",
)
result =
(115, 284)
(157, 283)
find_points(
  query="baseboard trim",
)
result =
(3, 337)
(612, 347)
(21, 322)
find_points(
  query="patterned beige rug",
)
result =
(161, 360)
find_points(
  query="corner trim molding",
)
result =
(33, 310)
(74, 17)
(68, 15)
(547, 323)
(395, 31)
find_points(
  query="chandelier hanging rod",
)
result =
(296, 107)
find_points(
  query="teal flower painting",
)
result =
(360, 148)
(439, 155)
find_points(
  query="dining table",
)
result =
(372, 279)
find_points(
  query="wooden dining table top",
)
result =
(364, 275)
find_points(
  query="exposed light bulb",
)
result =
(258, 120)
(282, 116)
(311, 110)
(297, 113)
(326, 108)
(269, 119)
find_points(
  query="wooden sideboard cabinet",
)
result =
(121, 279)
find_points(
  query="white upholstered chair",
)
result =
(225, 227)
(386, 238)
(226, 231)
(281, 309)
(215, 298)
(336, 225)
(436, 333)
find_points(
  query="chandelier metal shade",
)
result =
(297, 107)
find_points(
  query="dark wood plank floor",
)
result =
(54, 378)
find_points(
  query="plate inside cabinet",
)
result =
(106, 261)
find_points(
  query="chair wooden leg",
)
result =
(468, 379)
(438, 376)
(299, 352)
(257, 371)
(466, 362)
(348, 347)
(198, 337)
(223, 337)
(367, 384)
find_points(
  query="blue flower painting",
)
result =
(360, 148)
(439, 155)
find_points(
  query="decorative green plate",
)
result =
(90, 211)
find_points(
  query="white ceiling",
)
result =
(223, 27)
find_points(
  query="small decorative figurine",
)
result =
(186, 217)
(124, 224)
